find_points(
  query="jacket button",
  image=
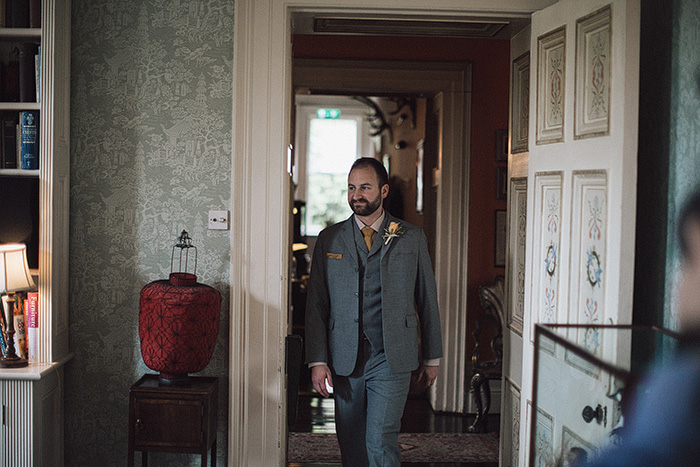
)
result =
(357, 320)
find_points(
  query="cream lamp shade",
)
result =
(14, 270)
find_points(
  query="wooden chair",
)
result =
(491, 297)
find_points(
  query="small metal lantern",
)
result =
(184, 243)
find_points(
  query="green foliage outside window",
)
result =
(332, 150)
(327, 201)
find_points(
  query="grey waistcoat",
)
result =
(371, 290)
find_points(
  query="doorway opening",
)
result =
(402, 131)
(447, 181)
(460, 183)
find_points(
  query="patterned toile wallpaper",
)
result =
(151, 155)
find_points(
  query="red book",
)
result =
(33, 326)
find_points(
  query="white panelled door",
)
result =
(581, 202)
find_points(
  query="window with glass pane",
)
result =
(332, 149)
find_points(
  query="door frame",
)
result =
(453, 81)
(260, 194)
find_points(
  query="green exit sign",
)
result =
(329, 114)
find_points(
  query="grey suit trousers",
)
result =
(369, 404)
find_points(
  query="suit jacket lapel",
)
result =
(377, 242)
(348, 236)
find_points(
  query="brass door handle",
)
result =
(139, 424)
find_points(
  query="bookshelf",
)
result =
(31, 433)
(19, 173)
(20, 33)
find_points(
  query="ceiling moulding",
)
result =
(404, 27)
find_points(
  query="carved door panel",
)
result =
(581, 204)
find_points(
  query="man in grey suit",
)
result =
(371, 292)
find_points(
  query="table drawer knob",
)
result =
(139, 424)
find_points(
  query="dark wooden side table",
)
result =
(179, 419)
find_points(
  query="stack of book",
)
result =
(20, 140)
(20, 81)
(26, 324)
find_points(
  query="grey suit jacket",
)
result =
(409, 299)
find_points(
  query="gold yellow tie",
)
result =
(368, 232)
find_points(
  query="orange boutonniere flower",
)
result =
(394, 230)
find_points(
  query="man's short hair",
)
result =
(379, 169)
(690, 212)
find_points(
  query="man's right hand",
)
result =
(319, 375)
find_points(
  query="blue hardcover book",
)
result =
(29, 134)
(3, 345)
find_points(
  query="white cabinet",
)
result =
(31, 434)
(32, 397)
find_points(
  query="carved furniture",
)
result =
(491, 297)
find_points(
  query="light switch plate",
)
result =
(218, 220)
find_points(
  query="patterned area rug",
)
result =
(415, 447)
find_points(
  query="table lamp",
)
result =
(14, 277)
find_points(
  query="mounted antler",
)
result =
(377, 120)
(402, 102)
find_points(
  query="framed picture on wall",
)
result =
(500, 232)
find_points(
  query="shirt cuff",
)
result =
(432, 362)
(313, 364)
